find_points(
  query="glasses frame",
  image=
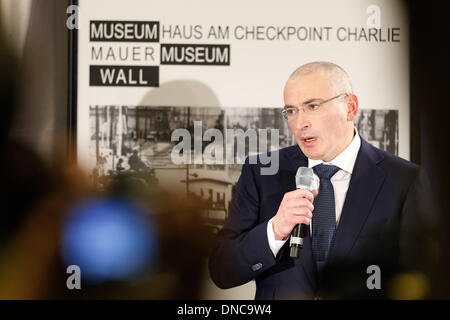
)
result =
(304, 107)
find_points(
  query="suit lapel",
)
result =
(365, 183)
(287, 176)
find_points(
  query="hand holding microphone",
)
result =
(295, 211)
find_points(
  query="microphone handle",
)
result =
(296, 242)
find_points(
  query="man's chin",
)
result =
(310, 154)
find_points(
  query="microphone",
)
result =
(303, 179)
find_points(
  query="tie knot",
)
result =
(325, 171)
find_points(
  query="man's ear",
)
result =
(352, 107)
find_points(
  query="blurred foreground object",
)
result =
(130, 240)
(108, 240)
(126, 247)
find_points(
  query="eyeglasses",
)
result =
(291, 113)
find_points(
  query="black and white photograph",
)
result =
(379, 128)
(137, 141)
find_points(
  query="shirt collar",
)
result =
(346, 159)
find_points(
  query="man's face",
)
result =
(325, 133)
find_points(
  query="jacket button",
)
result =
(257, 266)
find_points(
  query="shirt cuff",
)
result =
(275, 245)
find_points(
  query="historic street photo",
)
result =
(137, 140)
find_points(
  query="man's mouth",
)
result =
(308, 139)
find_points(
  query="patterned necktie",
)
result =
(324, 215)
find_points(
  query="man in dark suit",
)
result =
(369, 210)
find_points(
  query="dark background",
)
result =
(429, 111)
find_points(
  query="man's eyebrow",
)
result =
(311, 100)
(305, 102)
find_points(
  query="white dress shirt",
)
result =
(345, 161)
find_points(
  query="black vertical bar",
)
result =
(414, 109)
(72, 91)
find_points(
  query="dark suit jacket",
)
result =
(387, 203)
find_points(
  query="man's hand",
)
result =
(296, 207)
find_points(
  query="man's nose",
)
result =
(302, 121)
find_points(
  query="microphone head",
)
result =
(304, 178)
